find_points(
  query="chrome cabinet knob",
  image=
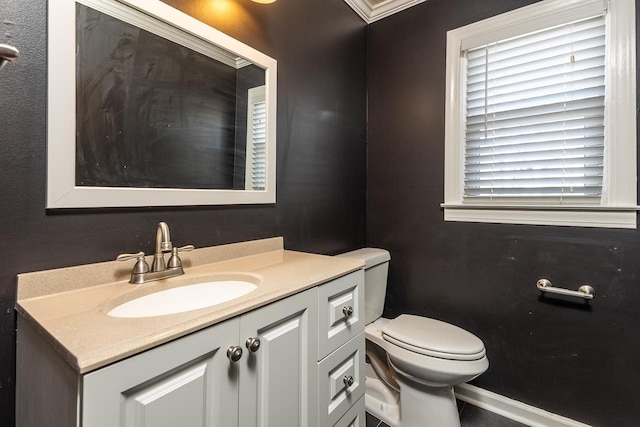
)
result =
(253, 344)
(347, 380)
(234, 353)
(347, 310)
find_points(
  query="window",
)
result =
(540, 119)
(535, 115)
(256, 167)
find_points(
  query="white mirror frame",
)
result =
(62, 191)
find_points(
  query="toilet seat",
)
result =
(418, 366)
(433, 338)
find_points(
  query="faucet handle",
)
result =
(141, 265)
(175, 260)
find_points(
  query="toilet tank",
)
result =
(376, 267)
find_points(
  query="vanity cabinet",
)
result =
(306, 371)
(190, 381)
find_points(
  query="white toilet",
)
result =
(413, 362)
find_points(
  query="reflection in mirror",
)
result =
(148, 106)
(154, 113)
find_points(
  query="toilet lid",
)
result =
(433, 338)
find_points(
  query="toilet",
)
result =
(413, 362)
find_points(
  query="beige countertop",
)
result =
(68, 306)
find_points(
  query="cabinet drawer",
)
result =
(341, 312)
(355, 417)
(341, 380)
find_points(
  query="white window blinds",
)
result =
(256, 170)
(535, 116)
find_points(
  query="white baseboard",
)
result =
(512, 409)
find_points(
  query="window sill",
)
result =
(575, 216)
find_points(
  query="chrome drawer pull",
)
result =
(347, 380)
(347, 310)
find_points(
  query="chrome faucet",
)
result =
(163, 244)
(159, 270)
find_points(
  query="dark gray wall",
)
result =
(577, 362)
(320, 46)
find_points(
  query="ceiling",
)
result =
(373, 10)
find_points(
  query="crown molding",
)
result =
(370, 11)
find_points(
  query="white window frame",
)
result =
(618, 203)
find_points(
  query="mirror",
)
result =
(159, 110)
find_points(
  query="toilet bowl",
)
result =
(413, 362)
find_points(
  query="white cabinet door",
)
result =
(188, 382)
(278, 382)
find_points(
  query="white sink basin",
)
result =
(184, 298)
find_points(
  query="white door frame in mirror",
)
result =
(62, 191)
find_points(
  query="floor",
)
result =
(470, 416)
